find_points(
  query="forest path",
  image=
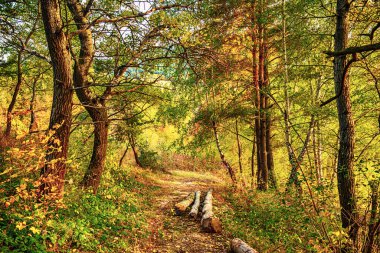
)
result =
(182, 234)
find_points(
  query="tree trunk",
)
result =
(238, 146)
(132, 141)
(53, 174)
(270, 160)
(262, 179)
(253, 160)
(346, 179)
(123, 156)
(15, 93)
(99, 153)
(33, 126)
(231, 171)
(95, 105)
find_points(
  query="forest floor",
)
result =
(182, 234)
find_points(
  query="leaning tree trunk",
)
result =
(53, 174)
(345, 168)
(231, 171)
(132, 141)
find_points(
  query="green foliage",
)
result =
(107, 222)
(271, 221)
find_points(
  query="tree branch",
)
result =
(353, 50)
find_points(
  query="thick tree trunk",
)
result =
(53, 174)
(94, 105)
(345, 173)
(94, 171)
(15, 94)
(230, 170)
(262, 175)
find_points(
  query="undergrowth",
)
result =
(277, 222)
(110, 221)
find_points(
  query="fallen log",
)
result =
(197, 201)
(238, 246)
(210, 223)
(180, 208)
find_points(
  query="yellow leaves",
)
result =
(21, 225)
(50, 223)
(22, 187)
(35, 230)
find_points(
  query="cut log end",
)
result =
(180, 208)
(211, 225)
(238, 246)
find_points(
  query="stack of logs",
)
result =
(209, 222)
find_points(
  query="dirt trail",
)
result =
(182, 234)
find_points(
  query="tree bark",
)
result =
(94, 172)
(94, 105)
(231, 171)
(262, 175)
(346, 179)
(209, 222)
(53, 174)
(195, 208)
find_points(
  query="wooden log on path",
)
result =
(210, 223)
(238, 246)
(197, 201)
(180, 208)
